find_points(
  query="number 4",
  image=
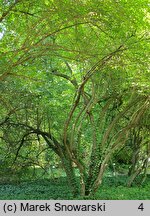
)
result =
(141, 207)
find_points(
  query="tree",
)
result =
(85, 66)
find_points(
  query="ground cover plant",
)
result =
(113, 188)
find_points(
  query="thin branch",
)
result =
(73, 81)
(9, 10)
(6, 74)
(50, 140)
(59, 30)
(24, 12)
(68, 66)
(21, 144)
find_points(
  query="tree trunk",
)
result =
(98, 179)
(71, 177)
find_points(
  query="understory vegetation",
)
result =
(112, 188)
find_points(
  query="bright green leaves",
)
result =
(46, 2)
(77, 70)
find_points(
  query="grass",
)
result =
(113, 188)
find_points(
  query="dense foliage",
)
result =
(75, 86)
(111, 189)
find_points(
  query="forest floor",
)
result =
(112, 188)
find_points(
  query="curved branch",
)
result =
(21, 144)
(98, 65)
(48, 137)
(73, 81)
